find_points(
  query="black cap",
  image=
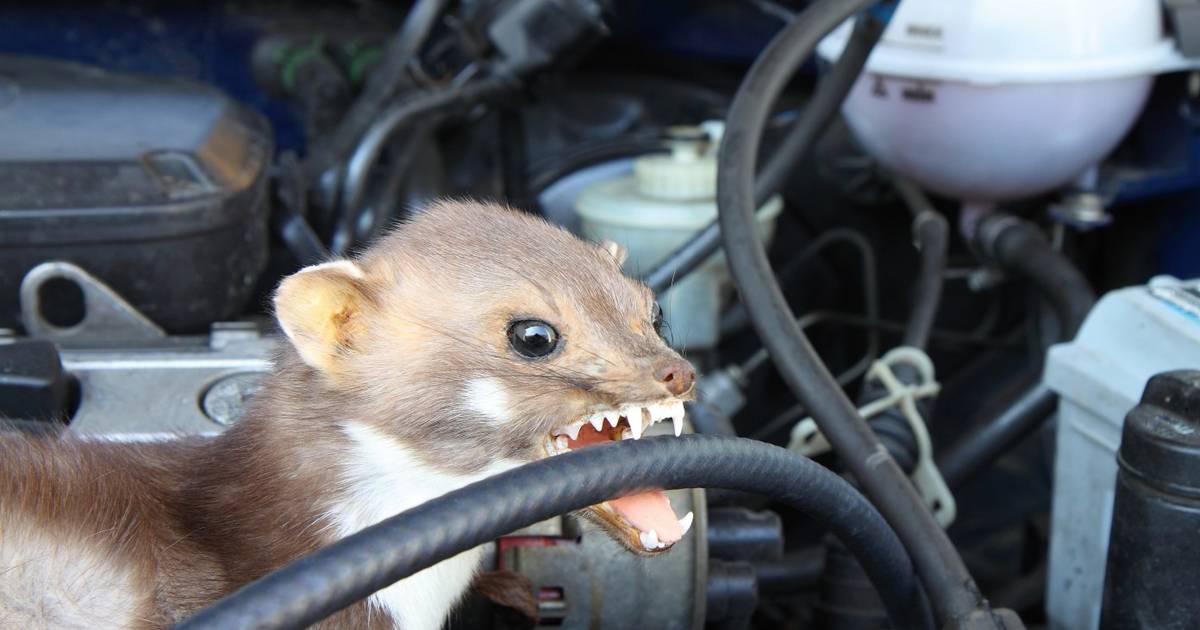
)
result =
(1161, 440)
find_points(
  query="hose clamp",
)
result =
(807, 439)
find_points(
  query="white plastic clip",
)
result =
(808, 440)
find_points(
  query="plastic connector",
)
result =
(807, 439)
(531, 35)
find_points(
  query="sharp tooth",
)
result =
(686, 522)
(649, 540)
(627, 435)
(652, 415)
(677, 416)
(561, 443)
(571, 430)
(633, 415)
(597, 421)
(613, 418)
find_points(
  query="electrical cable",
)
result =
(870, 286)
(381, 85)
(822, 108)
(438, 102)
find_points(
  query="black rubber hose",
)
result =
(421, 107)
(320, 584)
(932, 235)
(951, 589)
(1017, 245)
(814, 120)
(974, 453)
(381, 84)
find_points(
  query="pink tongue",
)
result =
(650, 511)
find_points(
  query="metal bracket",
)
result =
(106, 317)
(808, 440)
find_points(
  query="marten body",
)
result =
(412, 371)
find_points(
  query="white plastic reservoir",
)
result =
(993, 100)
(1131, 335)
(667, 199)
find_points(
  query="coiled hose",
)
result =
(318, 585)
(952, 591)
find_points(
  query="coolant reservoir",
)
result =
(993, 100)
(667, 199)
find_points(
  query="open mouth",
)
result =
(646, 520)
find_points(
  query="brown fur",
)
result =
(191, 520)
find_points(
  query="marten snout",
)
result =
(676, 375)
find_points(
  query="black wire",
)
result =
(381, 84)
(951, 589)
(870, 287)
(320, 584)
(814, 120)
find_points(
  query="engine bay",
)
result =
(924, 236)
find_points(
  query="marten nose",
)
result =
(677, 376)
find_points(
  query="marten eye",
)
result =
(532, 338)
(656, 318)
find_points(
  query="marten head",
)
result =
(474, 334)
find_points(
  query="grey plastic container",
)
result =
(158, 187)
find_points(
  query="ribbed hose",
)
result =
(951, 589)
(315, 587)
(820, 111)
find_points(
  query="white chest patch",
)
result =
(383, 478)
(487, 397)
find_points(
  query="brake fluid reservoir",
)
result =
(669, 198)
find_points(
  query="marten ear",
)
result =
(320, 310)
(616, 250)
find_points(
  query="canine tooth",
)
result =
(561, 443)
(676, 409)
(686, 522)
(649, 540)
(597, 421)
(633, 415)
